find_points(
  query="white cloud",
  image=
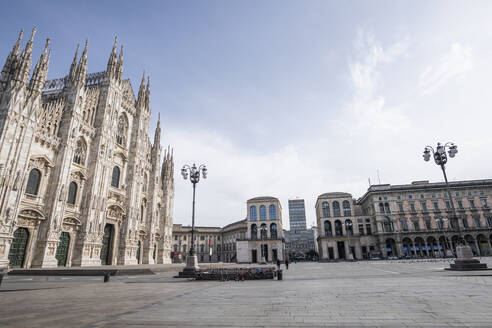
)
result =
(368, 112)
(234, 176)
(456, 62)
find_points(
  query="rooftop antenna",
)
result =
(379, 180)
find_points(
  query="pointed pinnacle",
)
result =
(32, 34)
(86, 42)
(16, 47)
(47, 44)
(76, 52)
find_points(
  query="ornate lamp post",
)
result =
(446, 241)
(464, 255)
(191, 258)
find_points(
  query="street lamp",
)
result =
(440, 158)
(464, 255)
(194, 173)
(447, 244)
(348, 225)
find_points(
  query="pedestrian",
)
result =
(278, 264)
(287, 264)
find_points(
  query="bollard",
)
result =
(1, 276)
(106, 276)
(279, 274)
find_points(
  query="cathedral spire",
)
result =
(147, 93)
(110, 70)
(141, 91)
(40, 70)
(81, 72)
(26, 60)
(12, 59)
(16, 49)
(73, 67)
(157, 134)
(119, 68)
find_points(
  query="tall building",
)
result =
(297, 215)
(263, 241)
(412, 220)
(81, 183)
(299, 241)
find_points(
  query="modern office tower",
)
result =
(297, 215)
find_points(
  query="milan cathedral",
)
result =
(81, 183)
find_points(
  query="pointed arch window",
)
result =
(252, 213)
(122, 131)
(264, 231)
(346, 208)
(326, 209)
(72, 193)
(273, 212)
(273, 231)
(263, 214)
(349, 227)
(338, 228)
(336, 208)
(254, 232)
(80, 152)
(328, 232)
(33, 182)
(115, 178)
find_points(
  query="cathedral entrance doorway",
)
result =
(62, 250)
(17, 252)
(106, 245)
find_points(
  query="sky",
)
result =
(290, 99)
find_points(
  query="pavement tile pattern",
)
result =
(359, 294)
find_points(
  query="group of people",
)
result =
(286, 264)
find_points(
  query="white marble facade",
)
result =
(81, 183)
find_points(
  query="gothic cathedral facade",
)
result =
(81, 183)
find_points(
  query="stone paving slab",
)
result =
(360, 294)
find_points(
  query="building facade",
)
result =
(344, 233)
(81, 183)
(207, 243)
(231, 233)
(413, 220)
(264, 240)
(212, 244)
(299, 240)
(297, 214)
(300, 244)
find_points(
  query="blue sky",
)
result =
(291, 98)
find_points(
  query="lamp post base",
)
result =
(191, 267)
(465, 261)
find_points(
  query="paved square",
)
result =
(388, 294)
